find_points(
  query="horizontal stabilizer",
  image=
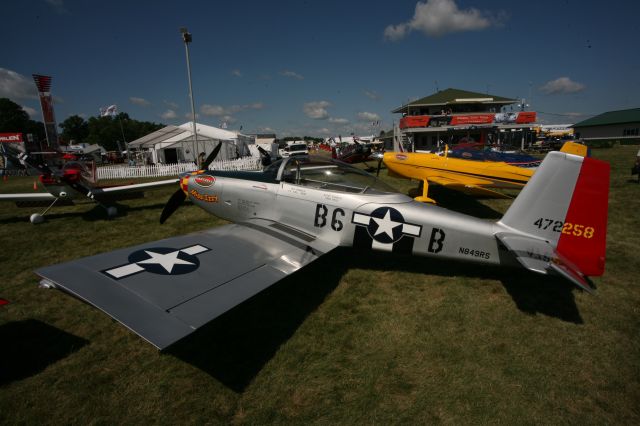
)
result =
(165, 290)
(539, 256)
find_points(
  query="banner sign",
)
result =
(11, 138)
(521, 117)
(414, 121)
(43, 83)
(472, 119)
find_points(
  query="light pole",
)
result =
(186, 37)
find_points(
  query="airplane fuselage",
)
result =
(390, 222)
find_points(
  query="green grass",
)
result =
(351, 339)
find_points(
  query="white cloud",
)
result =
(316, 110)
(173, 105)
(31, 111)
(368, 116)
(237, 108)
(189, 117)
(169, 114)
(219, 110)
(212, 110)
(371, 94)
(16, 86)
(338, 120)
(139, 101)
(436, 18)
(236, 73)
(562, 85)
(291, 74)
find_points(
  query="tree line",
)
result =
(104, 131)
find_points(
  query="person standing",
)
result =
(636, 167)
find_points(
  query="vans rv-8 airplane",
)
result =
(67, 181)
(297, 209)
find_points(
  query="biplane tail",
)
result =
(558, 223)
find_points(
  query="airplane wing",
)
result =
(113, 191)
(33, 196)
(468, 186)
(164, 290)
(97, 193)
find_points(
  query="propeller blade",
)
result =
(172, 205)
(211, 157)
(266, 156)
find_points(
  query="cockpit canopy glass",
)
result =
(328, 175)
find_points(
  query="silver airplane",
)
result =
(298, 209)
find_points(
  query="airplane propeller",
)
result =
(266, 156)
(178, 197)
(176, 200)
(211, 157)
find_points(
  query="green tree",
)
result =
(15, 119)
(107, 131)
(75, 129)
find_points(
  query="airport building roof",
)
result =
(456, 96)
(612, 117)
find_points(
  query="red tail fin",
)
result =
(584, 233)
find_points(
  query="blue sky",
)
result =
(318, 68)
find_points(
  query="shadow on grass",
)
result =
(234, 347)
(532, 293)
(547, 295)
(97, 213)
(458, 202)
(30, 346)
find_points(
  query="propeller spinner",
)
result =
(178, 197)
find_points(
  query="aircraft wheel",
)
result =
(36, 218)
(112, 211)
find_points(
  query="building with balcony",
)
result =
(458, 116)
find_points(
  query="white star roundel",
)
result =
(386, 225)
(159, 260)
(165, 261)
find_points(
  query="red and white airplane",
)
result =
(68, 180)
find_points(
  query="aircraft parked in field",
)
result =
(299, 208)
(482, 153)
(67, 180)
(471, 177)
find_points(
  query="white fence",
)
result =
(157, 170)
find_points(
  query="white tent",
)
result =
(173, 144)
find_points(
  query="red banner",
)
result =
(472, 119)
(414, 121)
(11, 138)
(526, 117)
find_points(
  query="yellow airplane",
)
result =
(468, 176)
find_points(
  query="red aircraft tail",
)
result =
(563, 209)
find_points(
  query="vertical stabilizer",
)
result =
(565, 204)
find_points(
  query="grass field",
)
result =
(352, 339)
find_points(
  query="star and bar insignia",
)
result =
(159, 260)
